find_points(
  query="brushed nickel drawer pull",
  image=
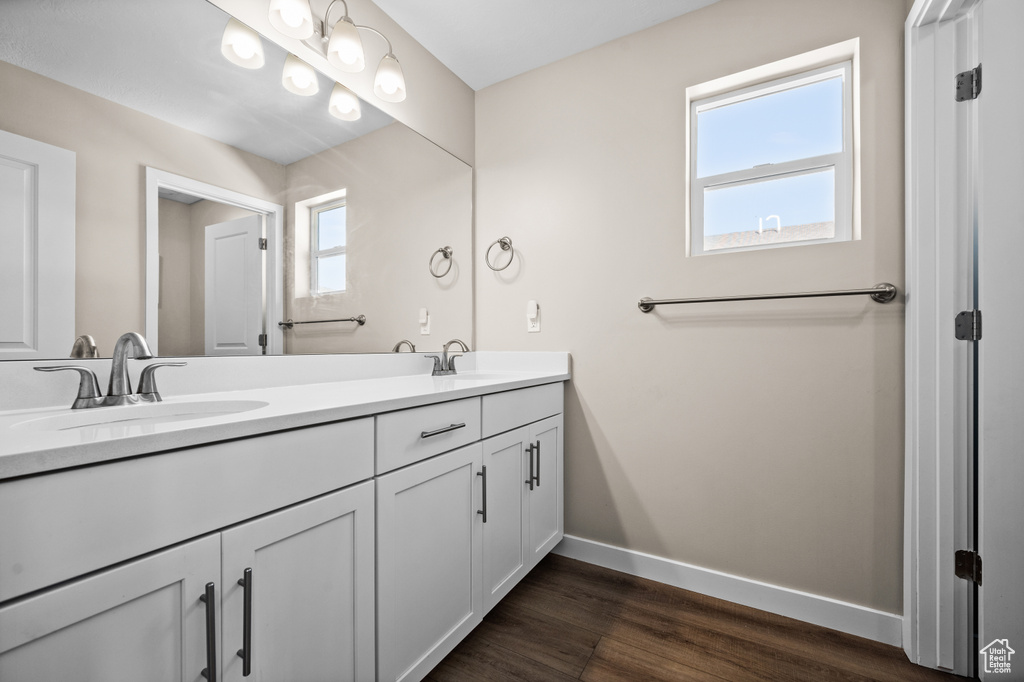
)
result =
(245, 653)
(446, 429)
(483, 474)
(210, 671)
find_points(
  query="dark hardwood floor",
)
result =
(569, 620)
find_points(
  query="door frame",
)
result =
(274, 286)
(941, 152)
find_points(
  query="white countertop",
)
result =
(24, 451)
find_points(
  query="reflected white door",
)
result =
(1000, 356)
(37, 259)
(234, 287)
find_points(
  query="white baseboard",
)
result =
(810, 608)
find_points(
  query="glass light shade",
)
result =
(241, 45)
(299, 77)
(292, 18)
(344, 104)
(389, 84)
(345, 50)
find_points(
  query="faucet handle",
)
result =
(437, 364)
(88, 388)
(451, 362)
(147, 380)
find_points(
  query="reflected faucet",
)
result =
(85, 347)
(403, 342)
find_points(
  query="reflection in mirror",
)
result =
(140, 85)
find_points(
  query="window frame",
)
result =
(315, 252)
(836, 60)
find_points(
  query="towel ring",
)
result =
(446, 252)
(506, 245)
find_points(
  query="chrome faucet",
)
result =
(445, 364)
(119, 390)
(120, 385)
(403, 342)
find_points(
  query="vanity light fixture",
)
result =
(292, 18)
(299, 77)
(341, 45)
(344, 104)
(241, 45)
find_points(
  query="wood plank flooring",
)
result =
(569, 620)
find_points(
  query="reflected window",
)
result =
(771, 164)
(327, 247)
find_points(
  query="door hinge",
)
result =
(968, 325)
(263, 244)
(968, 565)
(968, 84)
(263, 340)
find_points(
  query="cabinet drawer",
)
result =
(412, 435)
(61, 525)
(512, 409)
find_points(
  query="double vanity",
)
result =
(353, 524)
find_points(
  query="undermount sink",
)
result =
(139, 415)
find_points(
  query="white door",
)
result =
(143, 620)
(37, 258)
(311, 591)
(1001, 348)
(428, 562)
(234, 287)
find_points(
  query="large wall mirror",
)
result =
(186, 163)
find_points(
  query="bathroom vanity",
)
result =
(352, 529)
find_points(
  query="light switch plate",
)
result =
(424, 320)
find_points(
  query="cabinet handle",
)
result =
(210, 671)
(483, 473)
(438, 432)
(537, 450)
(245, 653)
(529, 451)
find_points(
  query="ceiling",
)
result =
(487, 41)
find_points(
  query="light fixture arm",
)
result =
(373, 30)
(327, 14)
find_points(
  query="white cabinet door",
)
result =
(139, 621)
(545, 498)
(428, 561)
(310, 583)
(506, 522)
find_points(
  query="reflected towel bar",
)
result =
(883, 293)
(361, 319)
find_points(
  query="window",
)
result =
(772, 164)
(327, 247)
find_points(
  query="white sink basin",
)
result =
(138, 415)
(473, 376)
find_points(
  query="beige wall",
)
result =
(113, 145)
(175, 299)
(406, 198)
(763, 439)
